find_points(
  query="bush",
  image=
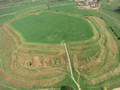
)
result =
(118, 38)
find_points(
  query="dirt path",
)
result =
(7, 14)
(70, 66)
(116, 89)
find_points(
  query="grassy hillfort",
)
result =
(59, 45)
(56, 30)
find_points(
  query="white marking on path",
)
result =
(70, 66)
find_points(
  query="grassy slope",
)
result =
(106, 10)
(5, 18)
(107, 13)
(13, 9)
(42, 29)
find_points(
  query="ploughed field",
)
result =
(33, 55)
(48, 27)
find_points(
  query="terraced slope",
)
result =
(94, 61)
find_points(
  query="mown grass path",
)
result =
(70, 66)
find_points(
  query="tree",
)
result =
(66, 88)
(118, 38)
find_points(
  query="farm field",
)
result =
(54, 45)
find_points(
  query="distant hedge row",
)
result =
(114, 33)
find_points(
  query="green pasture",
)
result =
(107, 12)
(50, 27)
(63, 22)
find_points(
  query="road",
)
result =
(70, 66)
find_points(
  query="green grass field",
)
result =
(50, 27)
(42, 62)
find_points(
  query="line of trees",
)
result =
(118, 37)
(118, 9)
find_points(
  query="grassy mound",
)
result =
(53, 28)
(30, 66)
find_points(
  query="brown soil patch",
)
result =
(6, 50)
